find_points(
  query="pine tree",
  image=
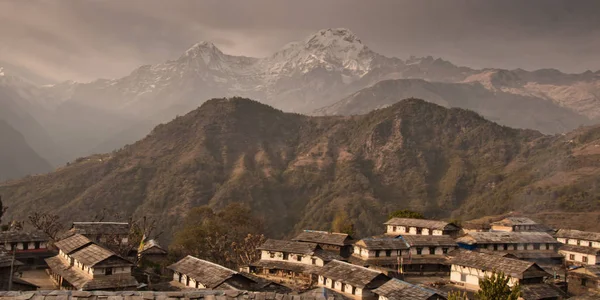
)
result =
(496, 287)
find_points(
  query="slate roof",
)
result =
(326, 255)
(205, 272)
(382, 244)
(6, 260)
(433, 224)
(284, 265)
(429, 240)
(323, 237)
(152, 247)
(23, 236)
(540, 291)
(354, 275)
(103, 228)
(577, 234)
(396, 289)
(180, 295)
(507, 238)
(580, 249)
(513, 267)
(387, 261)
(513, 221)
(72, 243)
(94, 255)
(289, 246)
(82, 281)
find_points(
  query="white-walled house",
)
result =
(31, 247)
(580, 255)
(396, 289)
(469, 267)
(84, 265)
(336, 242)
(351, 280)
(518, 224)
(407, 226)
(101, 232)
(197, 273)
(578, 238)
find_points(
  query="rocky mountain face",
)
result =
(17, 159)
(297, 171)
(303, 76)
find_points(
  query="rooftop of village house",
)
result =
(289, 246)
(72, 243)
(96, 256)
(422, 223)
(578, 234)
(152, 247)
(323, 237)
(208, 273)
(513, 221)
(396, 289)
(23, 236)
(382, 243)
(429, 240)
(507, 238)
(354, 275)
(83, 281)
(580, 249)
(285, 265)
(488, 262)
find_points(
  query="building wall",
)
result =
(31, 246)
(412, 230)
(500, 246)
(578, 257)
(292, 257)
(502, 228)
(337, 286)
(184, 280)
(473, 276)
(579, 242)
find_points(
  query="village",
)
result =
(411, 259)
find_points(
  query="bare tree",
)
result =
(48, 223)
(245, 252)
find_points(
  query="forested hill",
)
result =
(298, 171)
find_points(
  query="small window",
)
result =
(463, 277)
(419, 230)
(536, 246)
(584, 259)
(578, 243)
(286, 256)
(571, 256)
(505, 246)
(495, 247)
(388, 253)
(109, 271)
(272, 254)
(583, 282)
(445, 250)
(25, 246)
(376, 253)
(314, 261)
(431, 250)
(394, 228)
(299, 257)
(353, 290)
(419, 251)
(37, 245)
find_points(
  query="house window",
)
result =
(419, 230)
(26, 246)
(571, 256)
(505, 246)
(445, 250)
(431, 250)
(584, 259)
(376, 253)
(353, 290)
(583, 281)
(299, 257)
(536, 246)
(495, 247)
(314, 261)
(272, 254)
(463, 277)
(286, 256)
(578, 243)
(388, 253)
(37, 245)
(419, 251)
(394, 228)
(108, 271)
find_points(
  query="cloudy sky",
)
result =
(84, 40)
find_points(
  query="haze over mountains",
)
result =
(323, 70)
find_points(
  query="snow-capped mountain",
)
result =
(302, 76)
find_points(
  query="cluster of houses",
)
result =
(334, 264)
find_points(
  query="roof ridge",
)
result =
(212, 263)
(347, 263)
(86, 222)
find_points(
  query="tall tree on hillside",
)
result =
(496, 287)
(228, 237)
(342, 223)
(404, 213)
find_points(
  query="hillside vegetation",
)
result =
(296, 172)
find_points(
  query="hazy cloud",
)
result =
(84, 40)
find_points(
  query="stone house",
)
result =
(468, 268)
(83, 265)
(338, 243)
(31, 247)
(535, 246)
(578, 238)
(197, 273)
(518, 224)
(351, 280)
(580, 255)
(584, 280)
(406, 226)
(396, 289)
(290, 261)
(101, 232)
(153, 252)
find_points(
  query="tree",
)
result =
(404, 213)
(496, 287)
(341, 223)
(457, 295)
(228, 237)
(2, 209)
(48, 223)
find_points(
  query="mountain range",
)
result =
(17, 158)
(298, 171)
(329, 72)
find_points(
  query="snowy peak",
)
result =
(205, 51)
(338, 37)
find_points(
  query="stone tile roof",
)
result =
(513, 221)
(354, 275)
(289, 246)
(6, 260)
(512, 267)
(429, 240)
(577, 234)
(540, 291)
(507, 238)
(323, 237)
(327, 255)
(72, 243)
(382, 244)
(386, 261)
(284, 265)
(102, 228)
(205, 272)
(82, 281)
(94, 255)
(396, 289)
(580, 249)
(23, 236)
(181, 295)
(152, 247)
(433, 224)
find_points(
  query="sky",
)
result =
(49, 41)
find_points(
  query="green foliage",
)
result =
(496, 287)
(404, 213)
(457, 295)
(342, 223)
